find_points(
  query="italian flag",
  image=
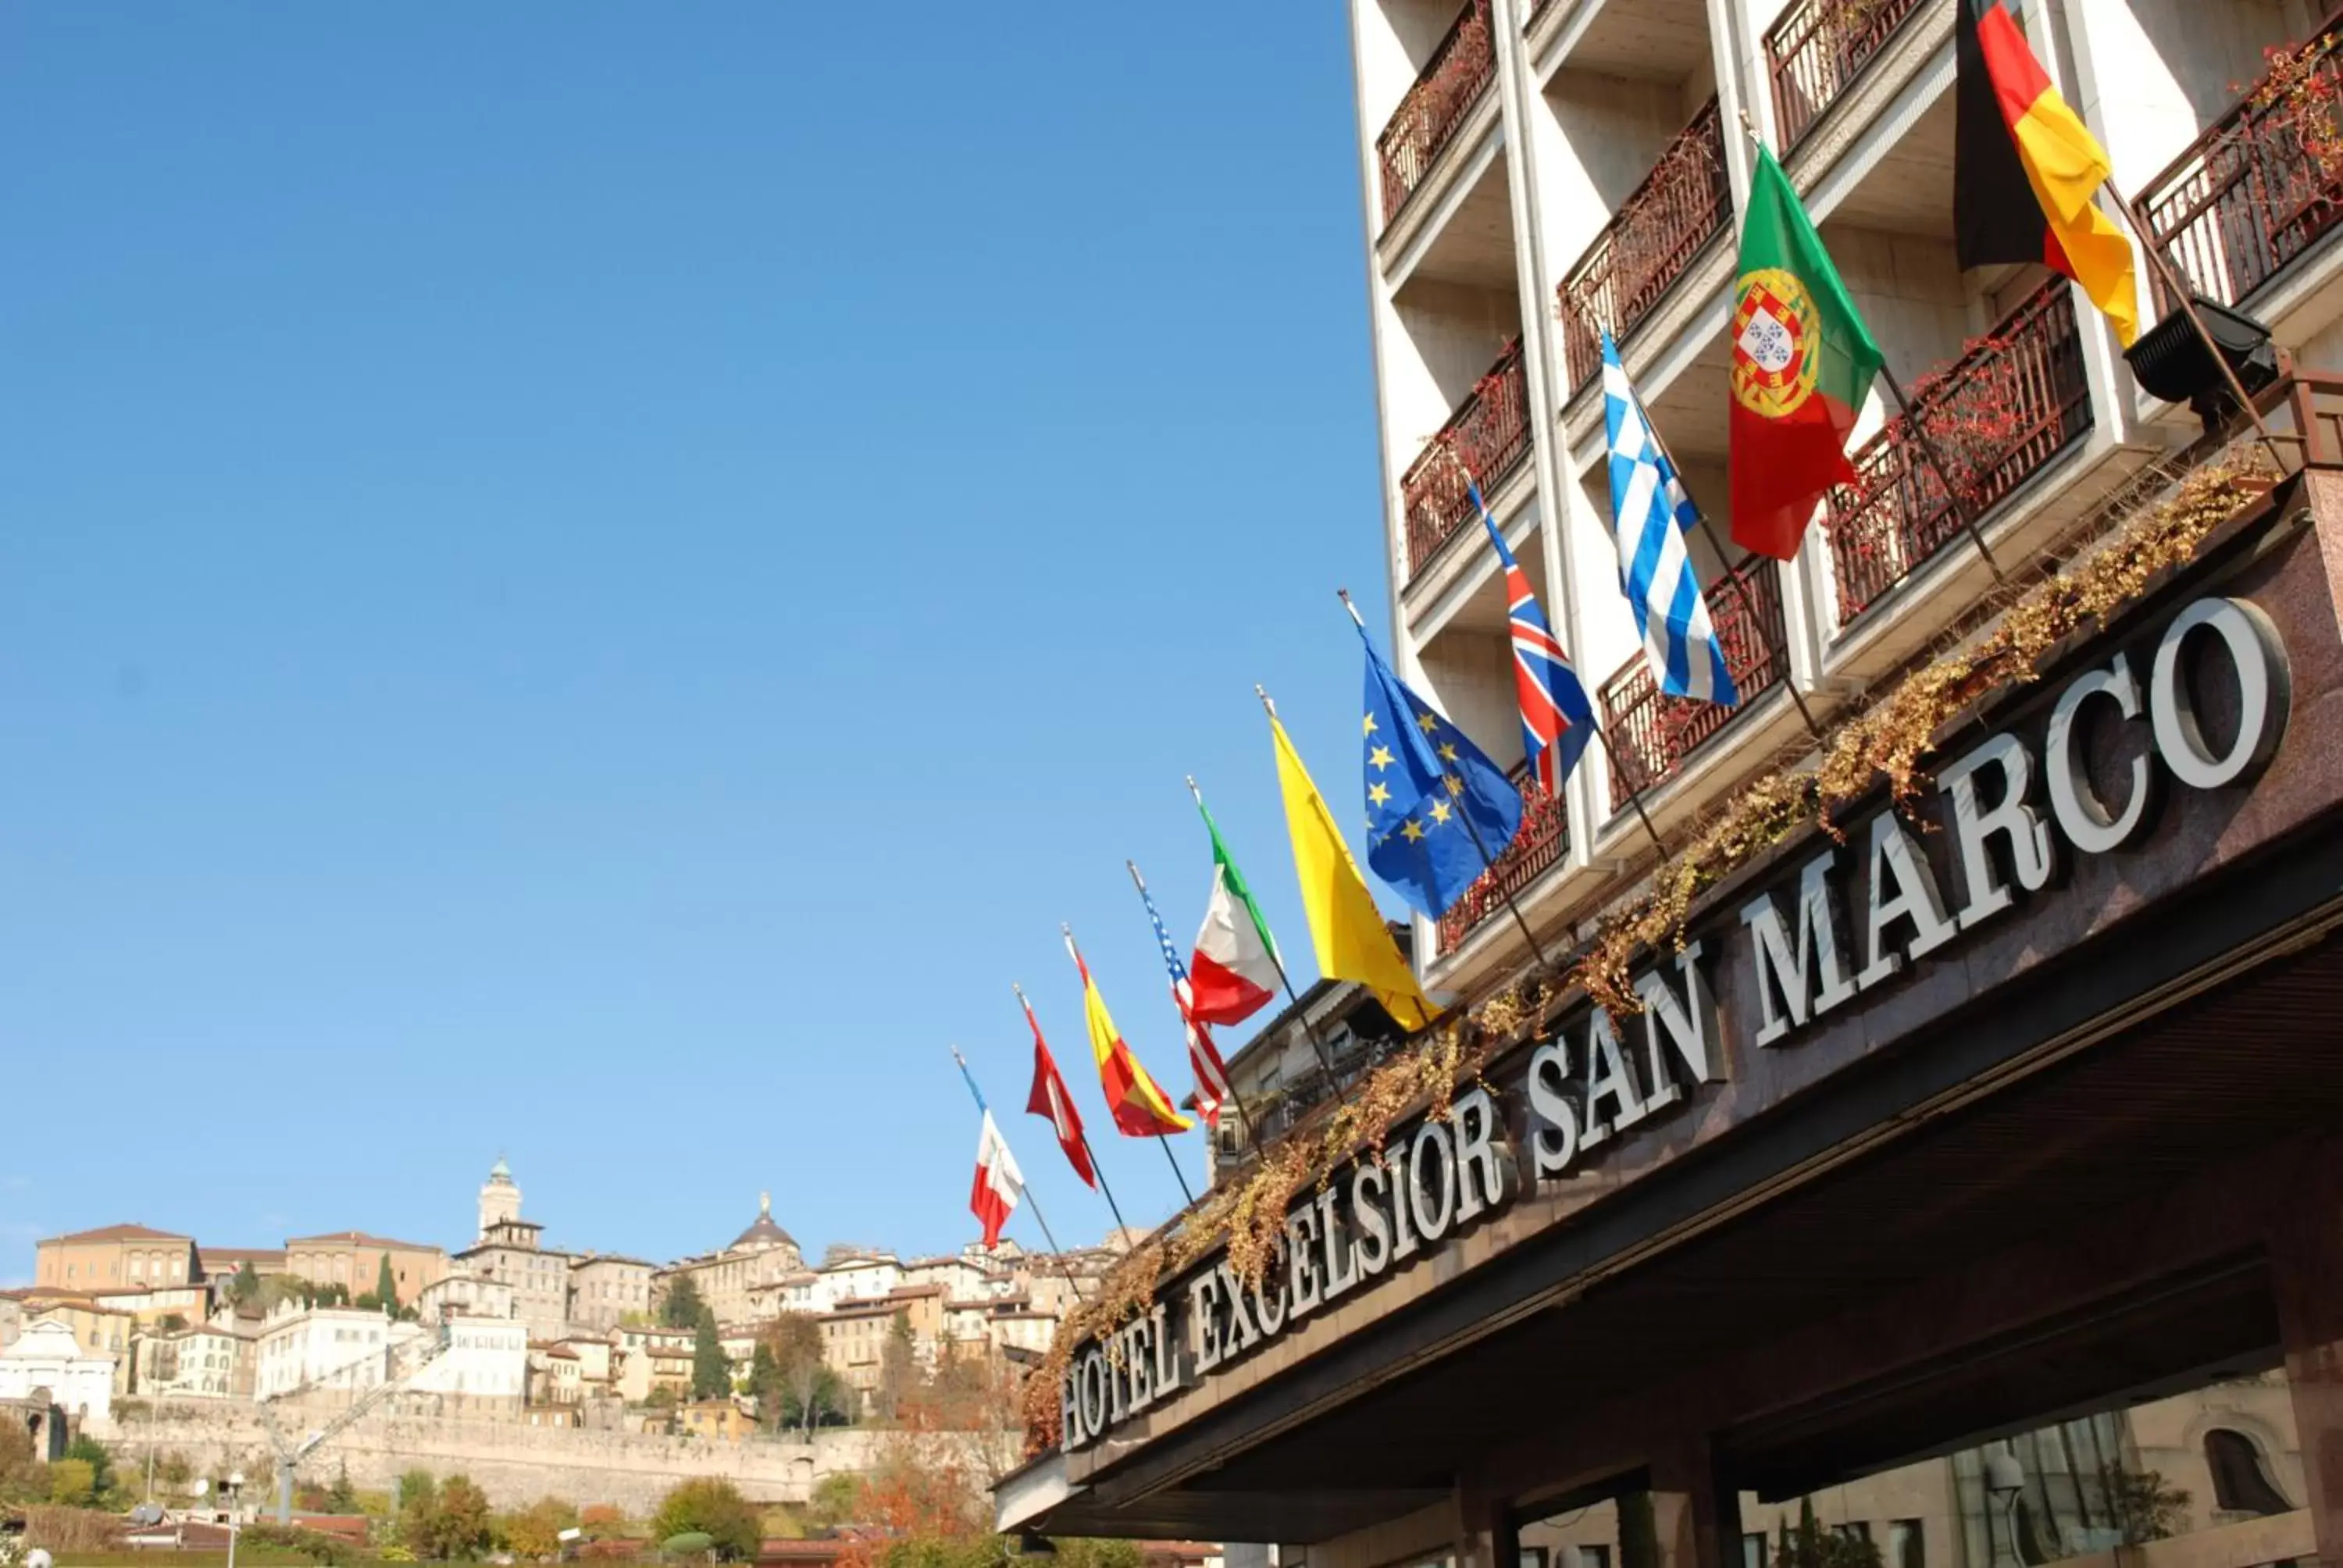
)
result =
(1235, 969)
(1803, 362)
(999, 1183)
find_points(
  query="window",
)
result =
(1907, 1546)
(1753, 1550)
(2241, 1482)
(1853, 1530)
(1593, 1557)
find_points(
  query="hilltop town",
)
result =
(748, 1339)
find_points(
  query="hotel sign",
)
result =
(1852, 918)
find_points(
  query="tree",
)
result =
(22, 1477)
(681, 1308)
(794, 1387)
(711, 1378)
(1813, 1547)
(456, 1522)
(897, 1368)
(342, 1498)
(712, 1506)
(536, 1530)
(837, 1499)
(243, 1288)
(385, 1288)
(2145, 1508)
(172, 1322)
(92, 1452)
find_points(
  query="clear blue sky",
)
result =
(591, 582)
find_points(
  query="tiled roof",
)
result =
(118, 1234)
(359, 1239)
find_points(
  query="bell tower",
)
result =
(500, 1199)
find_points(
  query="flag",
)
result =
(1345, 927)
(1803, 362)
(1049, 1098)
(1139, 1108)
(1203, 1058)
(999, 1183)
(2024, 169)
(1558, 720)
(1439, 812)
(1235, 966)
(1649, 515)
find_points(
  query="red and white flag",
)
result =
(999, 1183)
(1049, 1098)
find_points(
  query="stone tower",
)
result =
(499, 1200)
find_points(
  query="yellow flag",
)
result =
(1344, 924)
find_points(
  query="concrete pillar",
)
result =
(1697, 1519)
(2307, 1275)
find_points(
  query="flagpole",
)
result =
(1488, 861)
(2178, 286)
(1097, 1169)
(1635, 795)
(1317, 1045)
(1140, 883)
(1164, 1138)
(1035, 1203)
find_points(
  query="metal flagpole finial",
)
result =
(959, 1057)
(1265, 701)
(1358, 621)
(1199, 794)
(1750, 126)
(1018, 989)
(1133, 866)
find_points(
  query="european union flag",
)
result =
(1438, 810)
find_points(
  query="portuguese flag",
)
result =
(1803, 362)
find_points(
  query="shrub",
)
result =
(713, 1507)
(73, 1482)
(315, 1545)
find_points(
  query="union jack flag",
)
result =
(1203, 1056)
(1558, 720)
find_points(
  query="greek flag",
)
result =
(1649, 512)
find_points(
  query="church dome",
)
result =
(764, 1234)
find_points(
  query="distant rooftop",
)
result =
(117, 1233)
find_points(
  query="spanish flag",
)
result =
(2025, 170)
(1139, 1107)
(1344, 924)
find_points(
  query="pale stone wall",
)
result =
(516, 1465)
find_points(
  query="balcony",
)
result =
(1490, 433)
(1997, 415)
(1683, 203)
(1537, 848)
(1462, 64)
(1817, 51)
(2263, 182)
(1651, 732)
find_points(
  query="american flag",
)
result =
(1558, 720)
(1203, 1056)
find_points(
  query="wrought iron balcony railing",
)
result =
(1683, 203)
(1538, 848)
(1817, 51)
(1452, 82)
(2011, 403)
(1489, 434)
(2263, 182)
(1651, 732)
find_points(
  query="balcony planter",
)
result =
(1453, 80)
(2015, 399)
(1541, 845)
(1683, 203)
(1652, 733)
(1489, 434)
(2262, 185)
(1818, 49)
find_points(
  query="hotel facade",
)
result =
(1962, 1172)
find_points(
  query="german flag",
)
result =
(2025, 170)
